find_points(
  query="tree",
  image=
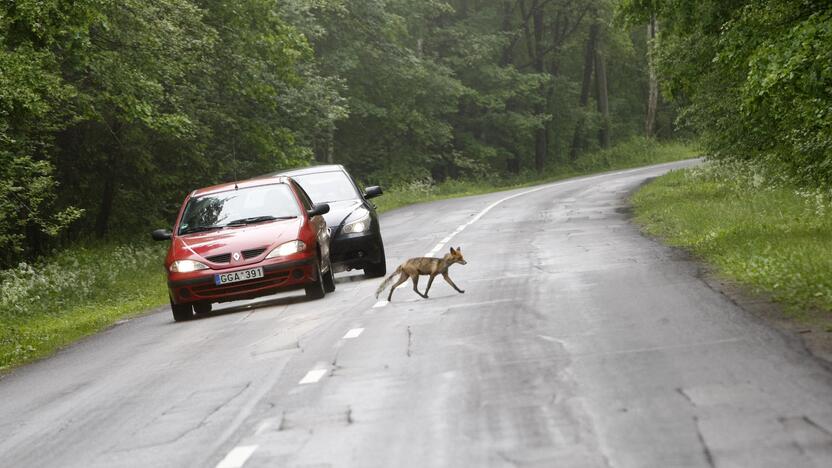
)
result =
(653, 93)
(753, 77)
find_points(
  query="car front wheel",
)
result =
(329, 281)
(315, 289)
(182, 312)
(378, 269)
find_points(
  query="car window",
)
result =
(325, 187)
(242, 206)
(304, 198)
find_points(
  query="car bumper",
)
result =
(354, 250)
(277, 277)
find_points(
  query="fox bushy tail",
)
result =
(387, 282)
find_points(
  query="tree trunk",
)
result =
(551, 133)
(602, 99)
(653, 91)
(513, 162)
(589, 64)
(541, 144)
(105, 207)
(324, 146)
(330, 146)
(109, 172)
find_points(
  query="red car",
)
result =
(245, 240)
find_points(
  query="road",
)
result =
(578, 343)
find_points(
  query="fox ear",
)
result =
(453, 252)
(459, 249)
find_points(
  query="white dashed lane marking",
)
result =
(441, 245)
(312, 376)
(354, 333)
(237, 457)
(380, 304)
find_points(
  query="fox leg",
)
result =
(415, 279)
(430, 282)
(448, 279)
(401, 280)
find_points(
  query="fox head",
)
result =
(456, 256)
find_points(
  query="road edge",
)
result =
(757, 305)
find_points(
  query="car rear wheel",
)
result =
(379, 269)
(315, 290)
(182, 312)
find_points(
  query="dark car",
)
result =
(356, 236)
(245, 240)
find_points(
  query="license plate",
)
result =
(237, 276)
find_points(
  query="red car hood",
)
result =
(237, 239)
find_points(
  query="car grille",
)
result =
(265, 282)
(247, 254)
(224, 258)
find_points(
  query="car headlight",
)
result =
(362, 224)
(288, 248)
(186, 266)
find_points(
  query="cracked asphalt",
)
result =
(578, 343)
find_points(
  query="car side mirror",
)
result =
(161, 235)
(372, 192)
(319, 209)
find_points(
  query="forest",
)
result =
(112, 110)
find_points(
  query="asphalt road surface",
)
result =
(578, 343)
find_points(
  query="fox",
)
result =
(430, 266)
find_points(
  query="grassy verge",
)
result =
(772, 237)
(74, 294)
(83, 290)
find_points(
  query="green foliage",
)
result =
(766, 233)
(34, 104)
(46, 305)
(118, 108)
(635, 152)
(27, 193)
(755, 77)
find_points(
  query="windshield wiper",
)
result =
(257, 219)
(194, 229)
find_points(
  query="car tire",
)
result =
(182, 312)
(329, 281)
(203, 308)
(379, 269)
(315, 290)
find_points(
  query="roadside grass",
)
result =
(73, 294)
(87, 288)
(773, 238)
(632, 153)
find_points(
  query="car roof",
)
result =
(310, 170)
(239, 185)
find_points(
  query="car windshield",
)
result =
(325, 187)
(238, 208)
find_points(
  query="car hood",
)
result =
(339, 212)
(237, 239)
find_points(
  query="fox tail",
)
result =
(387, 282)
